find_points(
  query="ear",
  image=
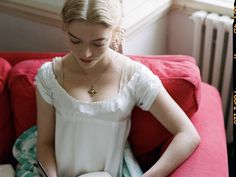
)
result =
(114, 32)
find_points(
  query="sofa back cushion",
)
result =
(181, 77)
(15, 57)
(22, 90)
(6, 125)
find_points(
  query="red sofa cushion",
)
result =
(6, 126)
(5, 67)
(181, 78)
(210, 158)
(22, 89)
(15, 57)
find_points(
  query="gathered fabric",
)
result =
(24, 150)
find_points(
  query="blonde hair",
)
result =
(106, 12)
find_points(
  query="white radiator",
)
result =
(213, 50)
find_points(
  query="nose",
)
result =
(85, 52)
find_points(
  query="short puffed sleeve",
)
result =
(42, 80)
(147, 87)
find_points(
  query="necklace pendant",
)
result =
(92, 91)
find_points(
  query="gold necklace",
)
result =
(92, 91)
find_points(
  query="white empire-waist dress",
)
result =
(90, 137)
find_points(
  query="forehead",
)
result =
(86, 30)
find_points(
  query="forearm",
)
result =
(46, 155)
(178, 150)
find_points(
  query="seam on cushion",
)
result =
(12, 81)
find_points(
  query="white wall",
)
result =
(18, 34)
(170, 34)
(180, 33)
(150, 41)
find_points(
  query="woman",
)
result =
(85, 99)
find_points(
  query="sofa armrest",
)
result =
(210, 158)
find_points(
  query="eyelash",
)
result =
(100, 45)
(74, 42)
(96, 45)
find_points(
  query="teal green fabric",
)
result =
(24, 150)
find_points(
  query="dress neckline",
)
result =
(109, 100)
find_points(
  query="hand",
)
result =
(149, 174)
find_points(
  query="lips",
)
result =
(86, 61)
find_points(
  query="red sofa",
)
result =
(148, 138)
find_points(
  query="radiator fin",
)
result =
(212, 48)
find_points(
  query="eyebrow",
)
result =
(100, 39)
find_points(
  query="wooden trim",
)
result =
(31, 13)
(39, 4)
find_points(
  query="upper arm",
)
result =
(169, 114)
(45, 121)
(45, 108)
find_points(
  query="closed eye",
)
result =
(74, 41)
(99, 45)
(98, 42)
